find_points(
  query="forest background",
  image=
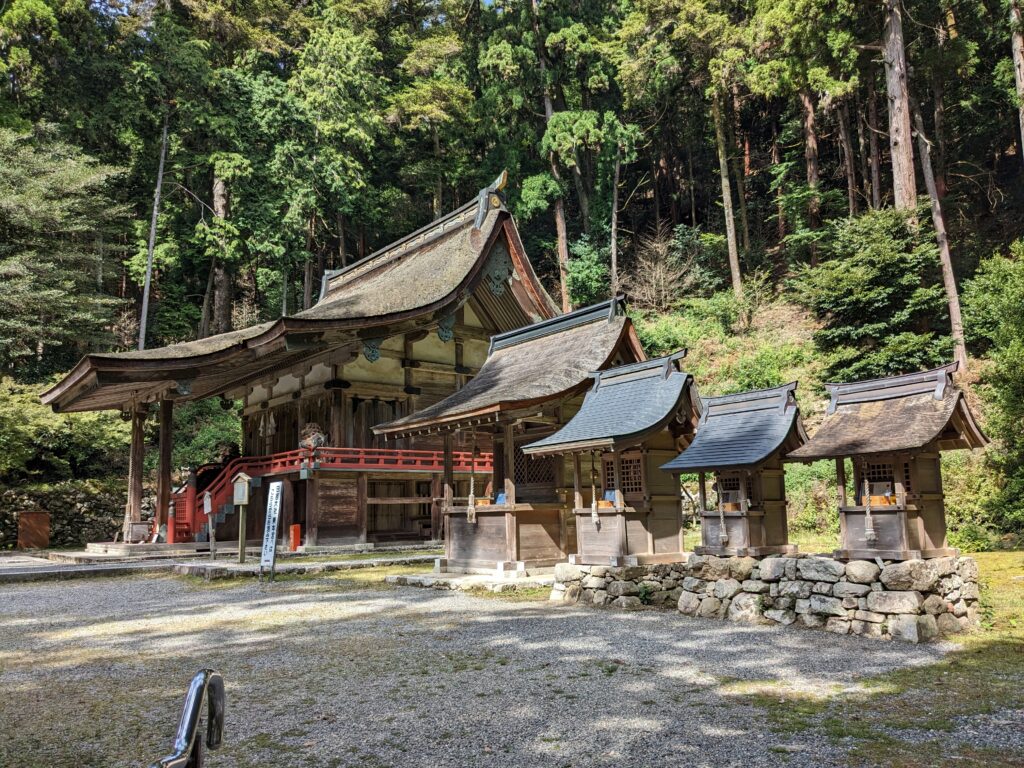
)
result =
(792, 189)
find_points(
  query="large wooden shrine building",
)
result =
(392, 334)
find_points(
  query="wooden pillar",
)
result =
(436, 516)
(510, 466)
(136, 455)
(163, 488)
(312, 511)
(841, 480)
(577, 493)
(287, 511)
(361, 493)
(617, 479)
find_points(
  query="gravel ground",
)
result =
(323, 672)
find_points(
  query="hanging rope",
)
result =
(723, 533)
(471, 505)
(593, 493)
(869, 521)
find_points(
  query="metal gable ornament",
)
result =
(371, 349)
(446, 328)
(498, 271)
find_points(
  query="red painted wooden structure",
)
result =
(189, 516)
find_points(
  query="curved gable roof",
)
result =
(533, 365)
(395, 289)
(898, 413)
(625, 406)
(742, 430)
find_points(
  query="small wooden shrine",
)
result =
(741, 440)
(893, 429)
(627, 511)
(531, 384)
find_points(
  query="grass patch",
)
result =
(518, 595)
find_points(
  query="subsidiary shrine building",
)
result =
(391, 335)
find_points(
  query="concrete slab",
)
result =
(221, 570)
(468, 582)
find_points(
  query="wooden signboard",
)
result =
(269, 553)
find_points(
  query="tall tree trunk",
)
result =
(723, 172)
(948, 278)
(691, 188)
(582, 195)
(862, 152)
(549, 109)
(1017, 45)
(614, 244)
(843, 115)
(876, 151)
(342, 254)
(656, 189)
(780, 208)
(737, 168)
(151, 244)
(811, 161)
(221, 319)
(901, 148)
(939, 115)
(207, 310)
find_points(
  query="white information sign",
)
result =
(270, 530)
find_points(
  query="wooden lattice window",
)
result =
(729, 489)
(534, 471)
(906, 477)
(631, 476)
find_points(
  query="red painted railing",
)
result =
(189, 516)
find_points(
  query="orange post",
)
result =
(295, 537)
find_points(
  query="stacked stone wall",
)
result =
(916, 601)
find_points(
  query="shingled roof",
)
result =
(625, 406)
(531, 366)
(396, 289)
(898, 413)
(743, 430)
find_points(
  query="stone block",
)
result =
(627, 602)
(600, 596)
(952, 597)
(822, 588)
(874, 618)
(709, 607)
(795, 588)
(949, 583)
(669, 583)
(740, 568)
(867, 628)
(960, 608)
(861, 571)
(948, 624)
(785, 618)
(755, 586)
(773, 589)
(587, 597)
(837, 625)
(913, 629)
(690, 584)
(944, 566)
(831, 606)
(715, 568)
(632, 573)
(745, 607)
(773, 568)
(967, 568)
(599, 570)
(895, 602)
(850, 603)
(650, 585)
(811, 620)
(784, 603)
(623, 589)
(688, 603)
(803, 606)
(726, 588)
(593, 582)
(970, 591)
(849, 589)
(568, 572)
(913, 575)
(820, 569)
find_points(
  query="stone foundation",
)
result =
(915, 601)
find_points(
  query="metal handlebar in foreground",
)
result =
(188, 748)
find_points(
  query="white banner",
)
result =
(270, 529)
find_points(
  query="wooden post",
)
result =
(190, 503)
(163, 488)
(448, 469)
(510, 467)
(577, 497)
(313, 511)
(337, 416)
(133, 509)
(241, 533)
(287, 507)
(702, 491)
(361, 494)
(617, 479)
(841, 480)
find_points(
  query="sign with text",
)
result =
(270, 530)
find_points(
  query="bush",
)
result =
(813, 498)
(38, 444)
(587, 280)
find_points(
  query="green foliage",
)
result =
(588, 273)
(37, 444)
(813, 499)
(204, 431)
(879, 298)
(55, 210)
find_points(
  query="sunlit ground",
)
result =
(342, 670)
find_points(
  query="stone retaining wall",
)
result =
(915, 601)
(80, 511)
